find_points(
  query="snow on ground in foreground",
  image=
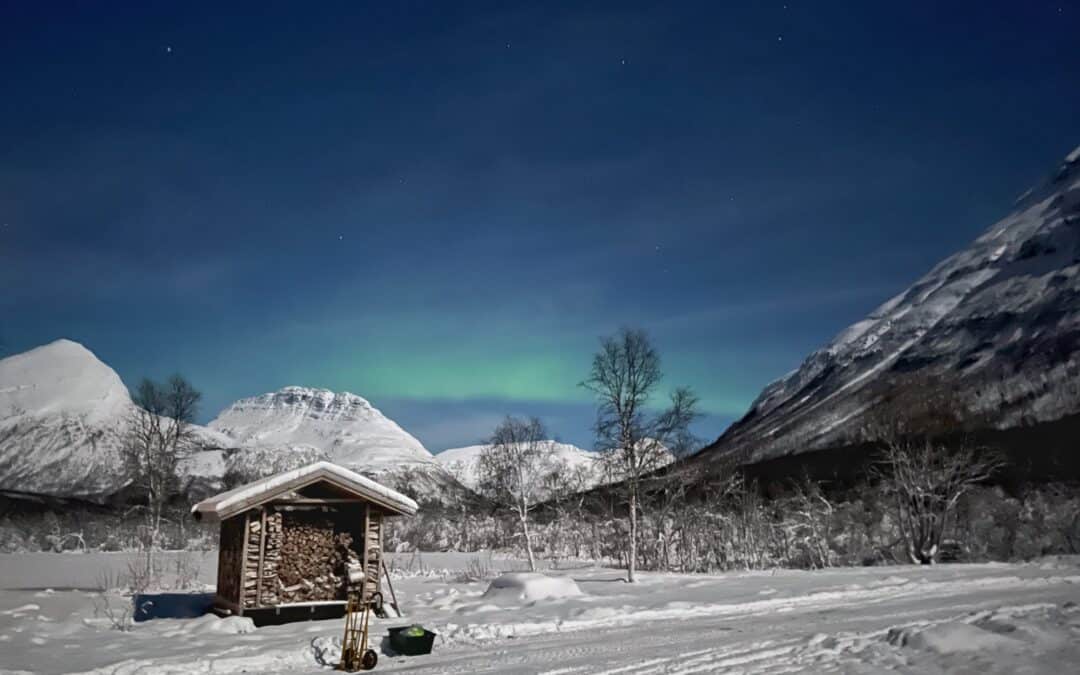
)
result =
(991, 618)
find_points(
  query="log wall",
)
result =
(229, 560)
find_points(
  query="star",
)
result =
(168, 50)
(779, 38)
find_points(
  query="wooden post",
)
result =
(241, 568)
(390, 585)
(367, 552)
(262, 555)
(378, 586)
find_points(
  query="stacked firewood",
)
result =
(268, 593)
(374, 556)
(312, 561)
(251, 559)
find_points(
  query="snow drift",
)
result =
(524, 587)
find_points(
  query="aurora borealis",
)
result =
(442, 209)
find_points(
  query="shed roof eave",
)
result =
(251, 495)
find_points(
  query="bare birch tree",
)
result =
(565, 489)
(926, 480)
(159, 438)
(511, 469)
(625, 373)
(927, 464)
(812, 512)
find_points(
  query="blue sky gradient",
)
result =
(442, 209)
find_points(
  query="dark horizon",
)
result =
(442, 210)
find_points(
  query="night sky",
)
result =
(442, 209)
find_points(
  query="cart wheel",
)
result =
(348, 661)
(369, 659)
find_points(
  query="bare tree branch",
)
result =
(512, 468)
(625, 373)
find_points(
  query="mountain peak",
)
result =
(325, 398)
(345, 427)
(60, 348)
(62, 376)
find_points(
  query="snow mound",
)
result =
(951, 638)
(531, 587)
(207, 624)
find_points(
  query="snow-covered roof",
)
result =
(248, 496)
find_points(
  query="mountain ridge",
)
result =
(64, 416)
(998, 320)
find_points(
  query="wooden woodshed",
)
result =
(294, 544)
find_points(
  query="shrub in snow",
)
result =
(326, 650)
(116, 611)
(531, 587)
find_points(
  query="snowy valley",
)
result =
(956, 618)
(794, 575)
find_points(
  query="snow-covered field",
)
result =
(993, 618)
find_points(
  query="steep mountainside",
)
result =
(998, 324)
(63, 420)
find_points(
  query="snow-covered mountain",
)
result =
(343, 426)
(463, 463)
(998, 322)
(64, 416)
(297, 425)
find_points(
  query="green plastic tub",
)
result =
(411, 640)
